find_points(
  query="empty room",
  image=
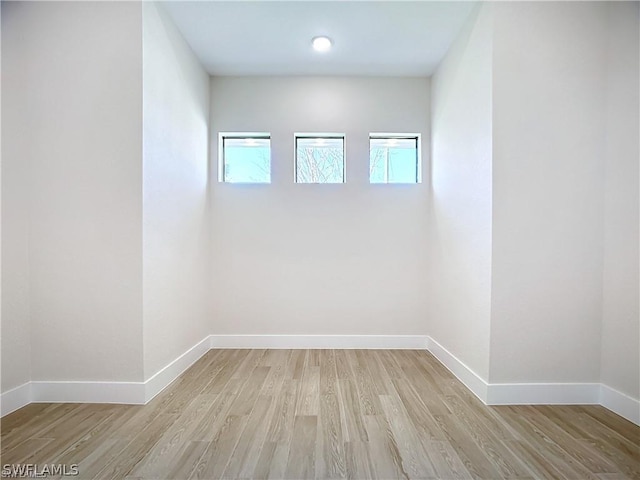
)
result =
(320, 240)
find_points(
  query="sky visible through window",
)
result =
(320, 160)
(393, 160)
(247, 160)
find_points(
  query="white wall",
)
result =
(460, 217)
(319, 259)
(548, 124)
(621, 316)
(176, 258)
(519, 254)
(1, 389)
(535, 190)
(72, 177)
(16, 343)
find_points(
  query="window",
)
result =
(394, 158)
(244, 158)
(320, 158)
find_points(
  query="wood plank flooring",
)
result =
(298, 414)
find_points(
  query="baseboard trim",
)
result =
(165, 376)
(139, 393)
(537, 393)
(14, 399)
(516, 393)
(462, 372)
(131, 393)
(411, 342)
(620, 403)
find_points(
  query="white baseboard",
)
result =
(16, 398)
(543, 393)
(133, 393)
(620, 403)
(139, 393)
(161, 379)
(413, 342)
(537, 393)
(491, 394)
(467, 376)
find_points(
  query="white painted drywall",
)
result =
(176, 258)
(563, 303)
(73, 119)
(621, 315)
(548, 124)
(319, 259)
(459, 264)
(16, 343)
(1, 389)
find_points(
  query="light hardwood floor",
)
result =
(323, 414)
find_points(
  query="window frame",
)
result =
(398, 136)
(240, 136)
(318, 136)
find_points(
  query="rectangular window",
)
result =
(245, 158)
(394, 158)
(320, 158)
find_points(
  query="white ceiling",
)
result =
(387, 38)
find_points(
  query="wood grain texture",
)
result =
(325, 414)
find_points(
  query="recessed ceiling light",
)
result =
(321, 44)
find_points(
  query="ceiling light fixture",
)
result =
(321, 44)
